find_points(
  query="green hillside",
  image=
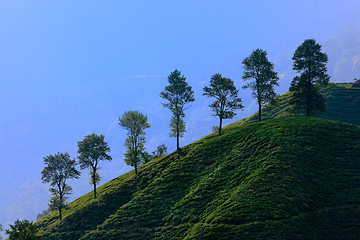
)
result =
(343, 104)
(287, 178)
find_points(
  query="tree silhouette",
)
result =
(135, 123)
(310, 63)
(258, 68)
(161, 150)
(178, 93)
(58, 169)
(92, 150)
(23, 230)
(226, 97)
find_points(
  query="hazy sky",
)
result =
(71, 68)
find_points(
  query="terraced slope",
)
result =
(343, 104)
(287, 178)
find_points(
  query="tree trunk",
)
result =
(177, 140)
(94, 180)
(308, 90)
(308, 111)
(136, 169)
(220, 126)
(259, 112)
(60, 206)
(61, 200)
(95, 190)
(258, 92)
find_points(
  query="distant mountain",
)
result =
(286, 178)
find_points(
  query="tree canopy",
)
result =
(135, 123)
(58, 169)
(160, 151)
(258, 68)
(226, 97)
(93, 149)
(23, 230)
(310, 63)
(178, 93)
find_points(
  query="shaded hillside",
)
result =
(288, 178)
(343, 104)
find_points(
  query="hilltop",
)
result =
(343, 104)
(287, 178)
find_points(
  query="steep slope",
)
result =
(343, 104)
(287, 178)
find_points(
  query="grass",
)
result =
(287, 178)
(343, 104)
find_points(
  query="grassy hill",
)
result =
(343, 104)
(287, 178)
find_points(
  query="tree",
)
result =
(44, 213)
(356, 83)
(226, 97)
(258, 68)
(310, 63)
(146, 157)
(58, 203)
(93, 149)
(178, 93)
(58, 169)
(135, 123)
(23, 230)
(160, 151)
(1, 229)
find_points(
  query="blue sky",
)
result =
(71, 68)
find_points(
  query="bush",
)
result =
(356, 83)
(23, 230)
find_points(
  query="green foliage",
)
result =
(1, 229)
(178, 93)
(258, 68)
(226, 97)
(310, 62)
(58, 169)
(95, 177)
(23, 230)
(58, 202)
(92, 150)
(135, 123)
(43, 214)
(146, 157)
(306, 96)
(343, 104)
(287, 178)
(161, 150)
(215, 129)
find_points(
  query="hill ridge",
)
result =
(343, 104)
